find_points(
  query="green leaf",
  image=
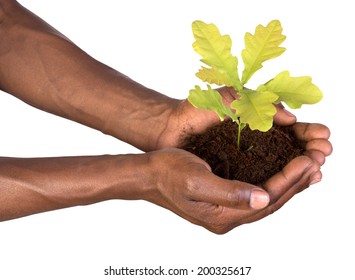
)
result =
(262, 46)
(215, 50)
(255, 108)
(294, 91)
(212, 76)
(210, 99)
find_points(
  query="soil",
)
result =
(261, 154)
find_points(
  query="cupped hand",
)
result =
(186, 120)
(184, 184)
(219, 205)
(299, 174)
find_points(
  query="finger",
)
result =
(283, 117)
(297, 175)
(316, 155)
(217, 191)
(228, 94)
(321, 145)
(215, 218)
(306, 131)
(220, 219)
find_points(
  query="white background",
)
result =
(311, 237)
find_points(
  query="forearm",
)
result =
(29, 186)
(45, 69)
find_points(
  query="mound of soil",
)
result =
(261, 154)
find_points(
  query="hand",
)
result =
(295, 177)
(184, 184)
(186, 120)
(300, 173)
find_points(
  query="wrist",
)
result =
(138, 115)
(130, 178)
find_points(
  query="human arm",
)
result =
(42, 67)
(34, 185)
(30, 186)
(46, 70)
(171, 178)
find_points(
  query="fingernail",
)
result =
(259, 199)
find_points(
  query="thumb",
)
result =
(232, 194)
(283, 117)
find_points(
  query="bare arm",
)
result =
(171, 178)
(29, 186)
(45, 69)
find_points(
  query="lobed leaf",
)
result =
(212, 76)
(215, 50)
(294, 91)
(261, 46)
(210, 99)
(255, 108)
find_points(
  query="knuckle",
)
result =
(192, 184)
(233, 197)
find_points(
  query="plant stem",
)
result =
(240, 127)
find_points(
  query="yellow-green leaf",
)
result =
(212, 76)
(261, 46)
(294, 91)
(210, 99)
(256, 109)
(215, 50)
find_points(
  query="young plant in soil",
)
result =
(246, 146)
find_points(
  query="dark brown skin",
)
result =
(46, 70)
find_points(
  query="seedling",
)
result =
(253, 107)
